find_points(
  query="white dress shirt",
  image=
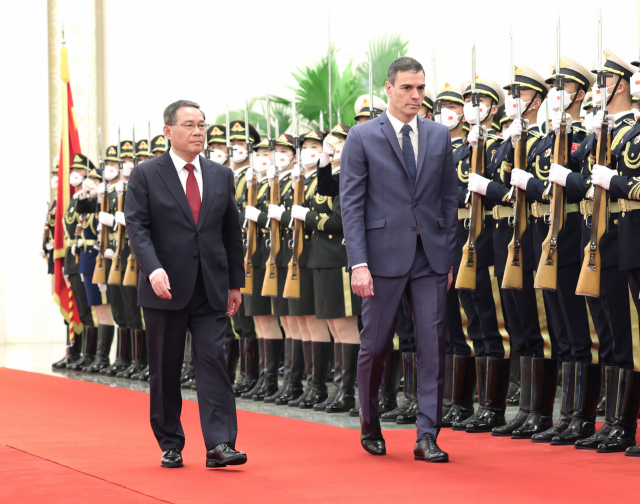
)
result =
(183, 173)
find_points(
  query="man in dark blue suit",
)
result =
(183, 226)
(398, 190)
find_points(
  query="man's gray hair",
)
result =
(171, 112)
(402, 64)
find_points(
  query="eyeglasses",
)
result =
(190, 126)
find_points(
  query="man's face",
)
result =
(127, 159)
(451, 105)
(240, 143)
(113, 163)
(485, 100)
(406, 95)
(362, 119)
(526, 96)
(310, 143)
(219, 146)
(143, 158)
(185, 135)
(157, 153)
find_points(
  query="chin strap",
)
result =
(615, 88)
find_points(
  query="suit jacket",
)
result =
(163, 233)
(382, 209)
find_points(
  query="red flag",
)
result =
(69, 146)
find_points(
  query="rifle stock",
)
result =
(292, 284)
(131, 275)
(252, 200)
(270, 283)
(100, 272)
(115, 274)
(547, 274)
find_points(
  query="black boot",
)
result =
(258, 370)
(525, 401)
(73, 351)
(408, 389)
(273, 351)
(123, 350)
(410, 416)
(544, 381)
(89, 345)
(294, 388)
(586, 398)
(346, 399)
(481, 381)
(187, 362)
(611, 377)
(105, 339)
(623, 432)
(337, 378)
(448, 384)
(463, 387)
(321, 356)
(515, 383)
(239, 386)
(62, 363)
(307, 352)
(495, 403)
(137, 339)
(601, 402)
(566, 405)
(388, 396)
(231, 357)
(286, 373)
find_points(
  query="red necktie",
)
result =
(193, 192)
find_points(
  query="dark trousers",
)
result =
(80, 297)
(404, 327)
(116, 299)
(614, 295)
(166, 332)
(456, 340)
(427, 296)
(244, 324)
(131, 308)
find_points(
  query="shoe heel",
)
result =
(215, 464)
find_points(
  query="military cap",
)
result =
(95, 173)
(56, 162)
(158, 143)
(588, 100)
(487, 87)
(615, 64)
(142, 148)
(362, 107)
(450, 93)
(286, 140)
(505, 119)
(634, 99)
(340, 130)
(264, 144)
(574, 72)
(126, 148)
(216, 134)
(237, 132)
(79, 162)
(111, 154)
(428, 100)
(313, 135)
(530, 79)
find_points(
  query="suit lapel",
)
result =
(169, 176)
(422, 144)
(208, 188)
(388, 130)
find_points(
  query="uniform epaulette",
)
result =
(535, 133)
(578, 129)
(630, 122)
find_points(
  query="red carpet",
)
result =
(64, 440)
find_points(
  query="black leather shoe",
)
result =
(620, 438)
(225, 454)
(633, 451)
(171, 458)
(371, 437)
(428, 450)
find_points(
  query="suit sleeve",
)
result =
(138, 218)
(353, 190)
(449, 209)
(232, 240)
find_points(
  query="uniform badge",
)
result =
(237, 127)
(636, 140)
(216, 131)
(493, 153)
(575, 147)
(547, 153)
(143, 145)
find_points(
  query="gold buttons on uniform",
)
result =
(497, 225)
(306, 237)
(330, 237)
(615, 221)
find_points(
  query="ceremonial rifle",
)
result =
(547, 274)
(589, 280)
(270, 283)
(100, 271)
(115, 275)
(252, 200)
(437, 106)
(475, 223)
(513, 273)
(371, 113)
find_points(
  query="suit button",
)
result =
(415, 205)
(413, 228)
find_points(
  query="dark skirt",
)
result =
(306, 304)
(94, 296)
(280, 305)
(257, 304)
(333, 295)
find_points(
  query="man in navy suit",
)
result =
(398, 191)
(183, 226)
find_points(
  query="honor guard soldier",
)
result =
(362, 108)
(521, 307)
(426, 109)
(158, 145)
(217, 142)
(587, 106)
(50, 224)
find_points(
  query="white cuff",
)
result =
(359, 265)
(154, 273)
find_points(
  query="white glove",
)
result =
(474, 136)
(120, 219)
(601, 176)
(41, 253)
(249, 176)
(251, 213)
(558, 174)
(73, 250)
(515, 130)
(328, 150)
(299, 212)
(520, 178)
(478, 184)
(98, 228)
(48, 246)
(597, 122)
(295, 172)
(109, 253)
(106, 219)
(100, 190)
(555, 122)
(102, 287)
(275, 212)
(120, 187)
(271, 174)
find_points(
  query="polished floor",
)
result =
(37, 357)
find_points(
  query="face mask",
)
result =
(635, 85)
(75, 179)
(239, 154)
(218, 156)
(338, 153)
(470, 112)
(282, 160)
(555, 99)
(596, 93)
(449, 118)
(588, 122)
(54, 182)
(511, 107)
(110, 172)
(261, 163)
(126, 168)
(309, 158)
